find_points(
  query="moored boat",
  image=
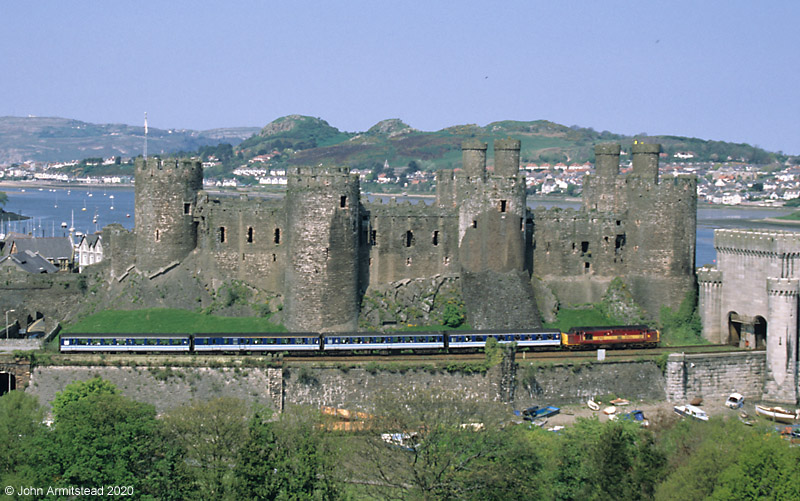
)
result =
(691, 411)
(778, 414)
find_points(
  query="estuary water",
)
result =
(53, 210)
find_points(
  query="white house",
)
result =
(90, 250)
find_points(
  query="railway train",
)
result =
(456, 340)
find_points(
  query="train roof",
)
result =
(609, 327)
(133, 335)
(257, 334)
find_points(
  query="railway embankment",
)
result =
(169, 382)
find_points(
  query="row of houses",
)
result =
(30, 254)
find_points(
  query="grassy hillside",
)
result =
(303, 140)
(51, 139)
(312, 141)
(162, 320)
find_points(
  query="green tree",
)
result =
(212, 433)
(105, 438)
(288, 459)
(79, 390)
(3, 198)
(20, 422)
(446, 447)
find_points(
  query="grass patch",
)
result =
(579, 317)
(163, 320)
(794, 216)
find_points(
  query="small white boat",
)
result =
(609, 410)
(691, 411)
(778, 414)
(593, 405)
(620, 401)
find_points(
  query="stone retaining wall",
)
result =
(715, 376)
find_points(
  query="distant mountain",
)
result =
(50, 139)
(312, 141)
(304, 140)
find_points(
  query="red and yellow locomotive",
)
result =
(613, 336)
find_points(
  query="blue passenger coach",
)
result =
(125, 343)
(296, 341)
(524, 338)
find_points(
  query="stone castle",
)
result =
(323, 246)
(750, 299)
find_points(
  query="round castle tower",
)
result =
(166, 194)
(321, 278)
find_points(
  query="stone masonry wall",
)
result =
(408, 241)
(165, 388)
(243, 238)
(715, 376)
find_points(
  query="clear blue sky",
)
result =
(724, 70)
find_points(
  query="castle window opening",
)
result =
(586, 267)
(158, 236)
(503, 205)
(446, 260)
(222, 234)
(373, 237)
(343, 202)
(474, 223)
(605, 238)
(187, 208)
(277, 238)
(408, 261)
(584, 247)
(409, 238)
(619, 222)
(249, 235)
(274, 258)
(435, 238)
(619, 242)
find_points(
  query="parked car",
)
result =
(735, 401)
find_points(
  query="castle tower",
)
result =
(606, 163)
(506, 157)
(166, 195)
(782, 296)
(473, 157)
(492, 209)
(645, 161)
(323, 224)
(600, 189)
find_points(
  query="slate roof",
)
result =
(31, 262)
(55, 248)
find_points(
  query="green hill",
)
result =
(52, 139)
(304, 140)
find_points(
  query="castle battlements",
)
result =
(742, 241)
(783, 286)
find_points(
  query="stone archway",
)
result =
(760, 332)
(734, 329)
(8, 382)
